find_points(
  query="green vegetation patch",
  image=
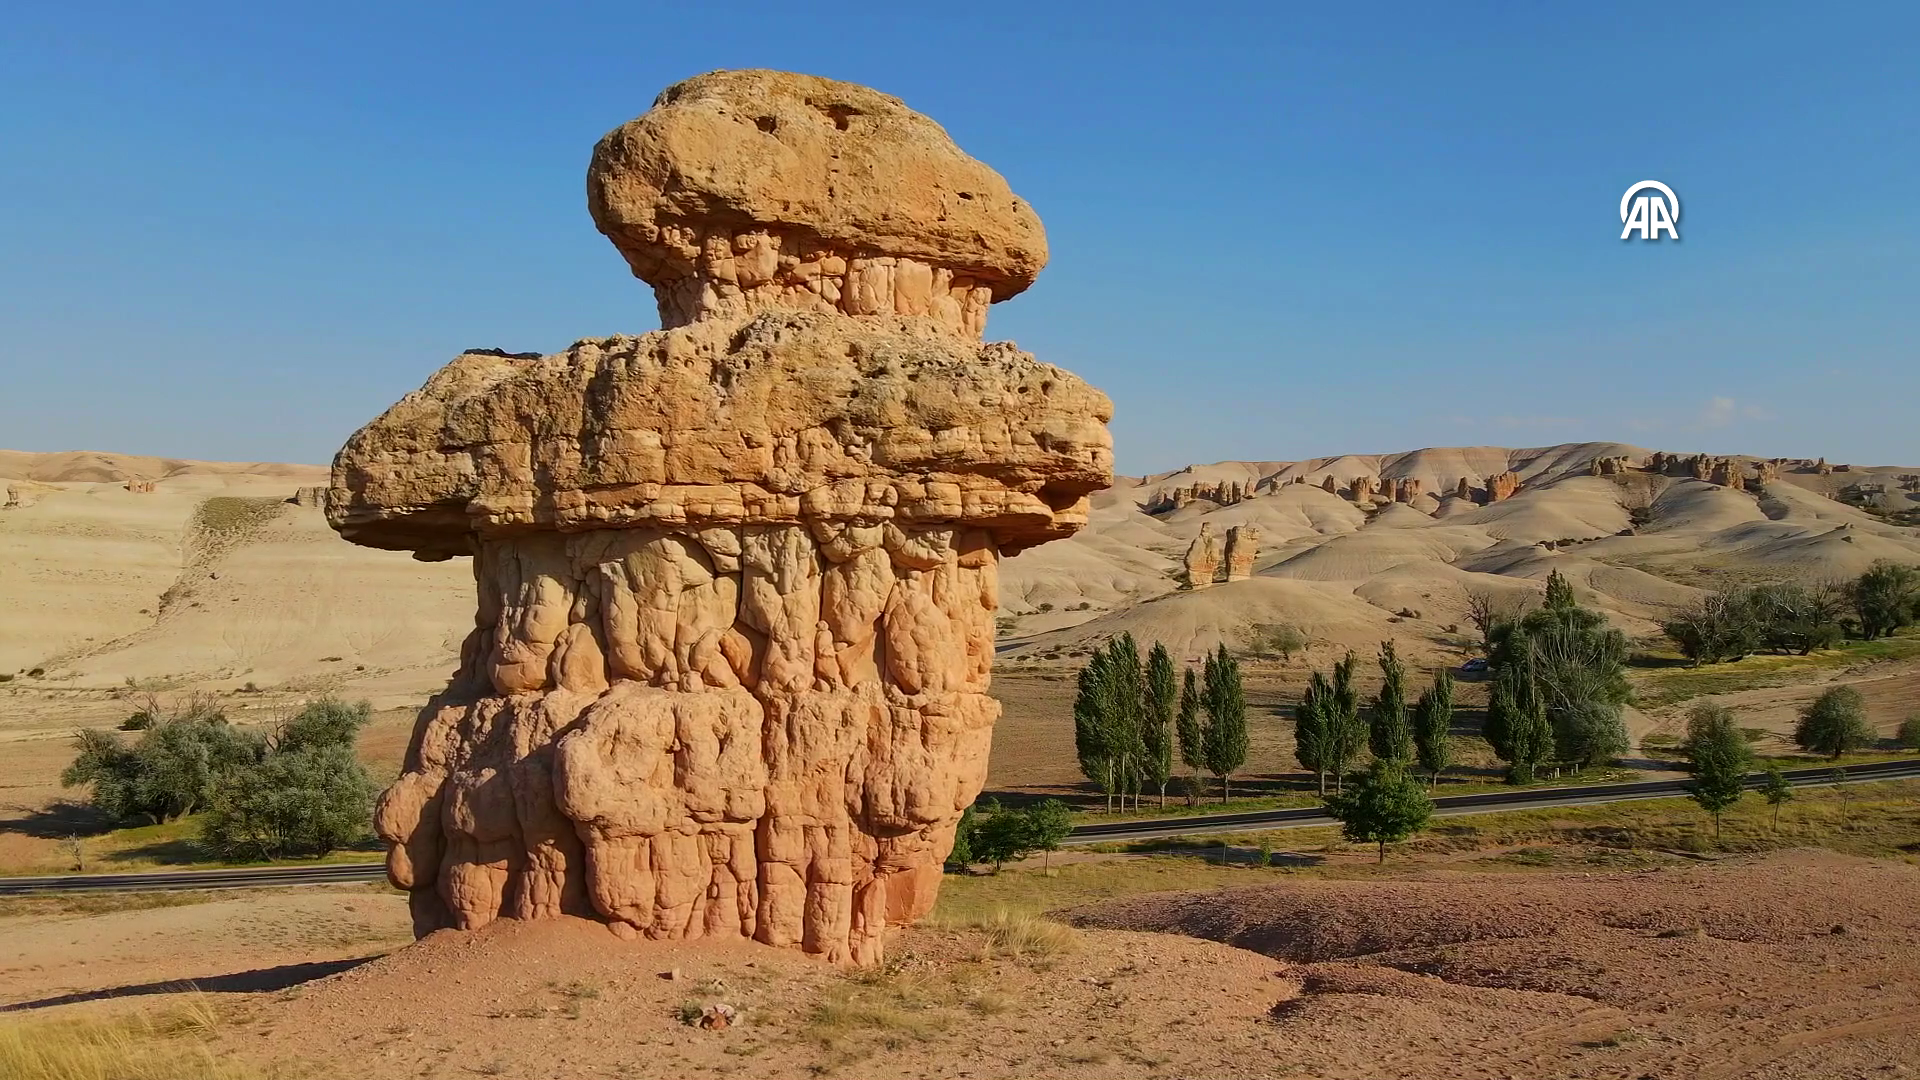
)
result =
(1670, 685)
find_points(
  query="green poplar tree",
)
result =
(1225, 703)
(1127, 702)
(1517, 725)
(1163, 699)
(1092, 725)
(1432, 720)
(1312, 722)
(1346, 730)
(1192, 735)
(1389, 735)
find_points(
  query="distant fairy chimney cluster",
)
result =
(1204, 560)
(1362, 490)
(1725, 472)
(1224, 493)
(1369, 491)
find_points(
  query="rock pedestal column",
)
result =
(736, 578)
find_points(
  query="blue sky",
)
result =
(239, 231)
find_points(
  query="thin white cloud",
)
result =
(1719, 412)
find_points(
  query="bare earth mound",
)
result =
(1800, 964)
(1796, 965)
(565, 997)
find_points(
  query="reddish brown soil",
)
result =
(1801, 965)
(1798, 965)
(565, 998)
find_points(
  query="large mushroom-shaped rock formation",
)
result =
(736, 577)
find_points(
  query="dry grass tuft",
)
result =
(171, 1045)
(1019, 933)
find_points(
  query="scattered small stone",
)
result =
(671, 976)
(718, 1016)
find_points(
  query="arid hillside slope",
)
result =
(211, 575)
(1351, 566)
(118, 567)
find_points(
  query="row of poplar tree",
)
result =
(1329, 732)
(1558, 689)
(1130, 719)
(1558, 677)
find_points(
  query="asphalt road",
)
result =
(1450, 806)
(1099, 832)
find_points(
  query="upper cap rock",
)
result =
(770, 185)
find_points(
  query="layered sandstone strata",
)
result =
(735, 578)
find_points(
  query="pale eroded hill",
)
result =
(1349, 571)
(118, 567)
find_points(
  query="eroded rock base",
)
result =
(762, 731)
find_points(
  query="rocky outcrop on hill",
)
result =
(1463, 490)
(1224, 493)
(1202, 561)
(1243, 545)
(1501, 486)
(736, 578)
(1728, 473)
(1363, 489)
(310, 496)
(1406, 489)
(1328, 485)
(140, 487)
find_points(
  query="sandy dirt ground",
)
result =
(59, 951)
(1891, 692)
(1802, 963)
